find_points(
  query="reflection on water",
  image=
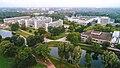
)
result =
(96, 63)
(5, 33)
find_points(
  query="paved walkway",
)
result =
(59, 40)
(49, 64)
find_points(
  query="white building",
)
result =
(87, 19)
(15, 19)
(103, 21)
(56, 23)
(115, 37)
(43, 21)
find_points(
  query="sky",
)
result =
(61, 3)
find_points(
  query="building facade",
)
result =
(97, 37)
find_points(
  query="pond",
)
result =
(5, 33)
(96, 62)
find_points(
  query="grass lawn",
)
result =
(53, 43)
(32, 30)
(57, 37)
(22, 33)
(6, 62)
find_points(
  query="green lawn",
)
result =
(6, 62)
(57, 37)
(32, 30)
(53, 43)
(22, 33)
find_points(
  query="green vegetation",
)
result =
(6, 62)
(57, 37)
(91, 49)
(74, 37)
(109, 58)
(105, 44)
(39, 66)
(56, 30)
(52, 44)
(64, 64)
(22, 33)
(31, 30)
(15, 27)
(88, 59)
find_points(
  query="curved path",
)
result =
(59, 40)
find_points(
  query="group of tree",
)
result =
(24, 56)
(110, 59)
(69, 52)
(33, 40)
(42, 51)
(56, 30)
(15, 26)
(74, 37)
(117, 46)
(98, 27)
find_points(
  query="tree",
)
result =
(105, 44)
(0, 38)
(88, 59)
(109, 25)
(73, 37)
(15, 27)
(116, 64)
(7, 49)
(11, 51)
(89, 24)
(42, 51)
(14, 38)
(118, 46)
(24, 58)
(23, 27)
(96, 46)
(3, 46)
(76, 55)
(108, 58)
(17, 40)
(41, 31)
(89, 40)
(31, 41)
(20, 41)
(56, 30)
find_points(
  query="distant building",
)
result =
(82, 19)
(115, 38)
(56, 23)
(98, 37)
(51, 12)
(103, 21)
(89, 19)
(14, 19)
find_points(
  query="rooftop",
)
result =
(98, 35)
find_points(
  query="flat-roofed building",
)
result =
(97, 37)
(15, 19)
